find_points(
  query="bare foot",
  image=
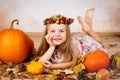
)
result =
(89, 16)
(87, 22)
(81, 20)
(85, 27)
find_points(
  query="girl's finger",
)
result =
(45, 64)
(47, 38)
(50, 38)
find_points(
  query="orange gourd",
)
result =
(14, 45)
(35, 67)
(96, 60)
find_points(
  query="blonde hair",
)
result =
(64, 47)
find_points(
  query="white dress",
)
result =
(85, 44)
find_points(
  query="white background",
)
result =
(31, 13)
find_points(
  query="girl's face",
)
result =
(58, 33)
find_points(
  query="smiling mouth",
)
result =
(57, 39)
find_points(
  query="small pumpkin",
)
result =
(14, 45)
(96, 60)
(102, 74)
(35, 67)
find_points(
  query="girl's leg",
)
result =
(87, 24)
(89, 16)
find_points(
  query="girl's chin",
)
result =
(56, 43)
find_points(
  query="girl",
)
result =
(59, 49)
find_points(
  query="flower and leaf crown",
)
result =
(58, 19)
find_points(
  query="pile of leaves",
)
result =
(18, 71)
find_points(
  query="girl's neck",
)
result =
(59, 48)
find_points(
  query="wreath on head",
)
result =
(58, 19)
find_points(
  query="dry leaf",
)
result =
(113, 44)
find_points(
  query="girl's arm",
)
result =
(47, 55)
(68, 64)
(64, 65)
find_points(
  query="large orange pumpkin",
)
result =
(14, 45)
(96, 60)
(31, 42)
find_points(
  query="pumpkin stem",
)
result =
(16, 20)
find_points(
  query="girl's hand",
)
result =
(48, 38)
(48, 64)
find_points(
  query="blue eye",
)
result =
(52, 31)
(61, 30)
